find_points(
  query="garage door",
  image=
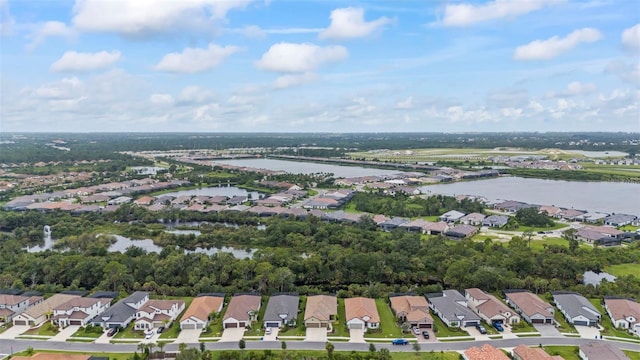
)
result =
(471, 323)
(75, 322)
(20, 322)
(356, 326)
(582, 323)
(272, 324)
(188, 326)
(537, 321)
(313, 325)
(424, 326)
(230, 325)
(199, 326)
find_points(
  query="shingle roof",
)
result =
(486, 352)
(451, 307)
(321, 307)
(602, 350)
(359, 307)
(202, 306)
(48, 305)
(280, 306)
(529, 303)
(12, 300)
(527, 353)
(240, 305)
(575, 305)
(622, 308)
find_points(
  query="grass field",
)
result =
(45, 330)
(564, 326)
(388, 326)
(567, 352)
(632, 354)
(624, 269)
(339, 327)
(88, 332)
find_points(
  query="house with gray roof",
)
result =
(122, 312)
(451, 216)
(461, 231)
(599, 350)
(451, 307)
(495, 221)
(619, 219)
(393, 223)
(576, 308)
(281, 310)
(474, 219)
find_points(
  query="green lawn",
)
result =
(339, 326)
(522, 327)
(110, 356)
(441, 330)
(388, 326)
(540, 244)
(45, 330)
(556, 226)
(564, 326)
(215, 327)
(89, 332)
(299, 329)
(632, 354)
(624, 269)
(609, 329)
(129, 333)
(567, 352)
(173, 331)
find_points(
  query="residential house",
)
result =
(12, 305)
(320, 311)
(282, 310)
(486, 352)
(414, 225)
(512, 206)
(361, 313)
(490, 308)
(619, 219)
(78, 311)
(576, 309)
(550, 210)
(495, 221)
(592, 217)
(600, 350)
(393, 223)
(197, 314)
(451, 307)
(532, 309)
(624, 313)
(122, 312)
(412, 309)
(242, 311)
(158, 313)
(436, 228)
(570, 214)
(38, 314)
(145, 200)
(451, 216)
(474, 219)
(523, 352)
(461, 231)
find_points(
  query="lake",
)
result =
(228, 191)
(610, 197)
(299, 167)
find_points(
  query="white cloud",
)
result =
(469, 14)
(359, 107)
(349, 23)
(161, 99)
(6, 21)
(143, 17)
(290, 57)
(63, 89)
(49, 29)
(573, 89)
(195, 95)
(75, 61)
(556, 46)
(631, 38)
(193, 60)
(627, 72)
(405, 104)
(456, 114)
(290, 80)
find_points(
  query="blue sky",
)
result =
(319, 66)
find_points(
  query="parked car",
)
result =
(267, 331)
(400, 342)
(481, 329)
(112, 332)
(148, 335)
(425, 334)
(498, 326)
(416, 330)
(160, 329)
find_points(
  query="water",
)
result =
(237, 253)
(184, 232)
(607, 197)
(48, 244)
(297, 167)
(122, 243)
(228, 191)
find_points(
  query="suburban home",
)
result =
(242, 311)
(197, 314)
(576, 308)
(550, 210)
(414, 225)
(570, 214)
(619, 219)
(282, 310)
(158, 313)
(474, 219)
(461, 231)
(320, 311)
(392, 223)
(532, 309)
(600, 350)
(624, 314)
(512, 206)
(78, 311)
(412, 309)
(361, 313)
(523, 352)
(38, 314)
(490, 308)
(12, 305)
(495, 221)
(486, 352)
(451, 216)
(436, 228)
(122, 312)
(451, 307)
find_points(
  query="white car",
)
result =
(148, 335)
(267, 331)
(416, 331)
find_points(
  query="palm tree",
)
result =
(161, 346)
(330, 348)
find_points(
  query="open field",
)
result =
(567, 352)
(623, 269)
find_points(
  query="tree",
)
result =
(416, 347)
(241, 344)
(283, 345)
(372, 347)
(161, 346)
(330, 348)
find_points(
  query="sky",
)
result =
(319, 65)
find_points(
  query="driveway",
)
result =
(273, 336)
(356, 335)
(547, 330)
(476, 333)
(103, 339)
(316, 334)
(588, 332)
(421, 338)
(189, 336)
(14, 331)
(507, 332)
(232, 334)
(65, 333)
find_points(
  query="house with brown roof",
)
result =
(412, 309)
(145, 200)
(486, 352)
(320, 311)
(40, 313)
(242, 311)
(12, 305)
(624, 314)
(523, 352)
(532, 309)
(197, 314)
(361, 313)
(158, 313)
(78, 311)
(490, 308)
(600, 350)
(474, 219)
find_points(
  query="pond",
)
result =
(593, 278)
(228, 191)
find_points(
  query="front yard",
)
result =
(388, 325)
(339, 326)
(609, 329)
(567, 352)
(44, 330)
(441, 330)
(129, 333)
(563, 325)
(93, 332)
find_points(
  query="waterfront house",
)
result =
(619, 219)
(197, 314)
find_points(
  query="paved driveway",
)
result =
(547, 330)
(189, 336)
(65, 333)
(316, 334)
(476, 333)
(356, 335)
(14, 331)
(273, 336)
(588, 332)
(103, 339)
(507, 332)
(232, 334)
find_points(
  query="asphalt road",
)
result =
(13, 346)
